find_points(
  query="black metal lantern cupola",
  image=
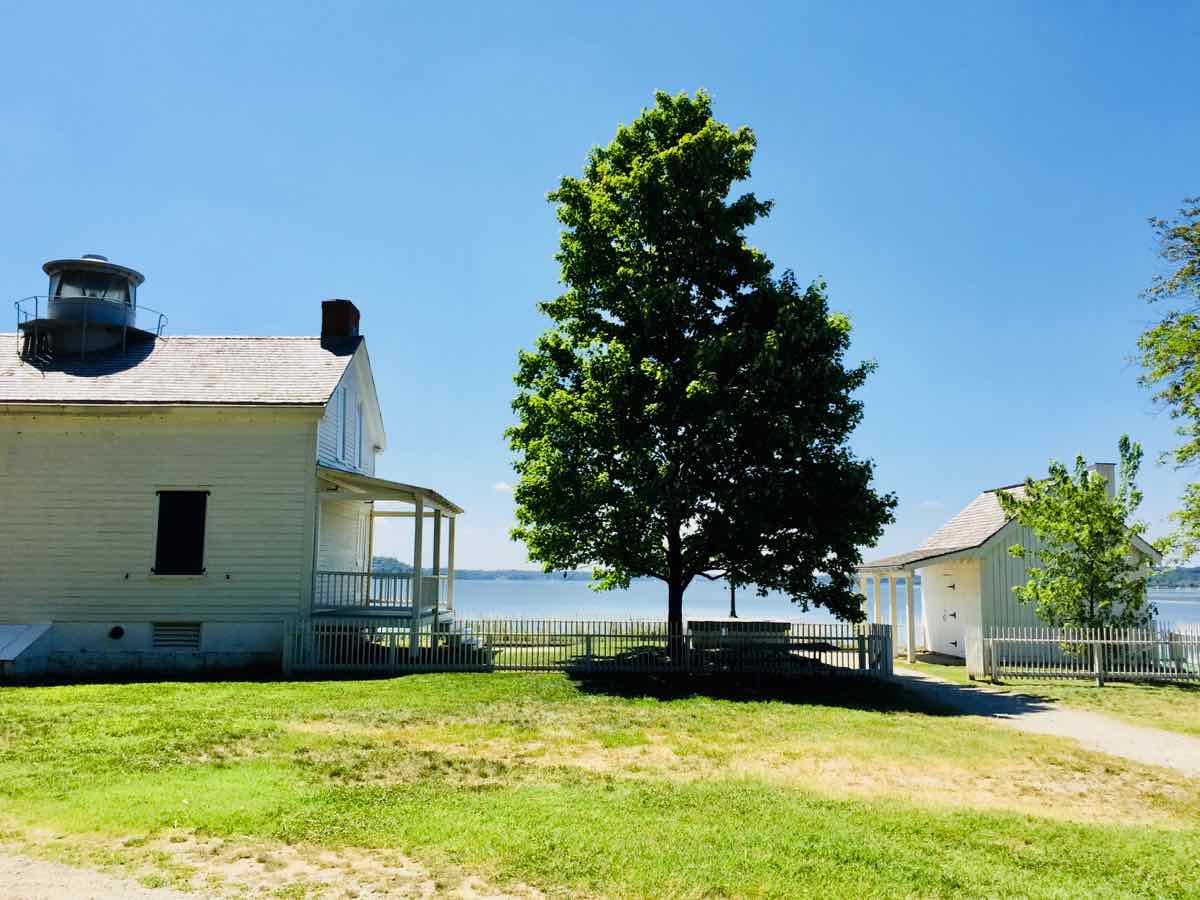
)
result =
(91, 306)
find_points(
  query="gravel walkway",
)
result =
(1095, 731)
(22, 878)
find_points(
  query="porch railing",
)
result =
(376, 590)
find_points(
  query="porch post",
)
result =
(892, 595)
(862, 588)
(414, 633)
(908, 610)
(450, 565)
(437, 559)
(312, 600)
(371, 538)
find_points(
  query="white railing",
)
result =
(1160, 653)
(381, 645)
(382, 590)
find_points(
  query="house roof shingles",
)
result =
(974, 524)
(205, 371)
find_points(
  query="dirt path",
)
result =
(22, 878)
(233, 869)
(1094, 731)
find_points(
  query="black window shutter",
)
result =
(180, 547)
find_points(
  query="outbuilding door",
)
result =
(951, 601)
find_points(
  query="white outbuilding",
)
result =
(173, 502)
(967, 574)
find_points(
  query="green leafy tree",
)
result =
(1086, 576)
(1169, 353)
(687, 413)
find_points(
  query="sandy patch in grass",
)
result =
(240, 868)
(1064, 783)
(1102, 795)
(1075, 786)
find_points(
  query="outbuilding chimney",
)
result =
(339, 319)
(1107, 471)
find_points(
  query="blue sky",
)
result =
(971, 179)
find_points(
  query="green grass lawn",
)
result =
(837, 789)
(1175, 707)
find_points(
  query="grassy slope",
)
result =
(1175, 707)
(535, 779)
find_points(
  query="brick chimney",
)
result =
(339, 319)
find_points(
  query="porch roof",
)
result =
(913, 559)
(366, 487)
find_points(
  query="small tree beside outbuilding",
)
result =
(1086, 574)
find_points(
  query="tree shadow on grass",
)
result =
(876, 695)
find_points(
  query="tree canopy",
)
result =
(1169, 352)
(686, 414)
(1084, 576)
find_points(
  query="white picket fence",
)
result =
(1160, 653)
(386, 645)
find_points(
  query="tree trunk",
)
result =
(675, 608)
(674, 581)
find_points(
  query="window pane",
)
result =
(180, 547)
(101, 285)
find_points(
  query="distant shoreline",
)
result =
(1184, 579)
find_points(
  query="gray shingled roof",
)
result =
(271, 371)
(971, 527)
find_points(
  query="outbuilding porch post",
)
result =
(892, 620)
(437, 558)
(414, 633)
(450, 565)
(910, 624)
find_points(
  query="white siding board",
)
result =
(79, 514)
(336, 446)
(1002, 572)
(343, 536)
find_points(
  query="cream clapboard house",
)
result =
(173, 501)
(967, 574)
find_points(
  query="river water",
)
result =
(563, 599)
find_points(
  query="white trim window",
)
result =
(340, 417)
(358, 437)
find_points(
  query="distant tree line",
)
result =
(389, 564)
(1182, 577)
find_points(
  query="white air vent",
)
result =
(176, 636)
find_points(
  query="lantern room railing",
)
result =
(92, 311)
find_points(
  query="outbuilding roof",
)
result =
(970, 528)
(204, 371)
(975, 524)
